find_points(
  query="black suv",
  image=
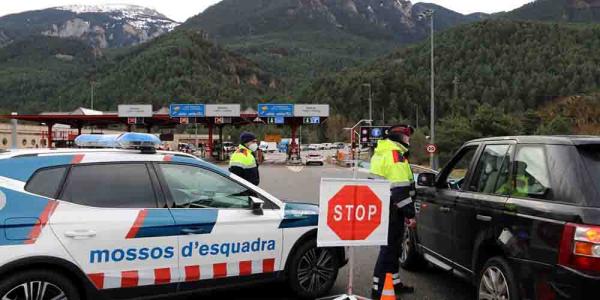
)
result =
(518, 216)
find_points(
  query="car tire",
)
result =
(51, 283)
(302, 278)
(496, 279)
(410, 258)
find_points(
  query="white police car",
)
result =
(113, 223)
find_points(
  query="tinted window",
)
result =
(491, 174)
(531, 178)
(460, 168)
(591, 157)
(194, 187)
(46, 182)
(111, 185)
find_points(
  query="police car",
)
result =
(118, 223)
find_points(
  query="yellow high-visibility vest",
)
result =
(243, 158)
(389, 163)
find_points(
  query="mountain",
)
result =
(497, 72)
(49, 73)
(582, 11)
(304, 39)
(105, 26)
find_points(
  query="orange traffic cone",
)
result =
(388, 288)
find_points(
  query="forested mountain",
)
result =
(304, 39)
(104, 26)
(498, 72)
(582, 11)
(181, 66)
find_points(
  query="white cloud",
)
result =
(180, 10)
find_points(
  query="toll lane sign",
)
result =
(353, 212)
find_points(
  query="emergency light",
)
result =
(130, 140)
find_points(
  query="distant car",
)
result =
(228, 147)
(314, 147)
(340, 146)
(314, 158)
(268, 147)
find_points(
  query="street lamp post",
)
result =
(370, 104)
(430, 15)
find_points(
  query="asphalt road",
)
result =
(301, 184)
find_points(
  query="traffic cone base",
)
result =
(388, 288)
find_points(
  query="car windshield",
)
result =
(591, 157)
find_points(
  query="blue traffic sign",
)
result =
(276, 110)
(187, 110)
(279, 120)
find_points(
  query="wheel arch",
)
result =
(86, 289)
(312, 235)
(484, 249)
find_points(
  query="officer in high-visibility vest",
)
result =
(390, 162)
(243, 161)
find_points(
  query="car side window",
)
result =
(46, 182)
(195, 187)
(531, 176)
(460, 168)
(491, 174)
(110, 186)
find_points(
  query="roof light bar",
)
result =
(130, 140)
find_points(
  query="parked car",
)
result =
(518, 216)
(314, 147)
(314, 158)
(139, 223)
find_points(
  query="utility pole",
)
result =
(417, 115)
(92, 83)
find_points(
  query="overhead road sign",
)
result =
(353, 212)
(312, 120)
(135, 111)
(187, 110)
(372, 134)
(311, 110)
(275, 110)
(223, 110)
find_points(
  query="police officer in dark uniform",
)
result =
(390, 162)
(243, 161)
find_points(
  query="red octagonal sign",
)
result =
(354, 213)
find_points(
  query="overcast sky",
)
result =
(180, 10)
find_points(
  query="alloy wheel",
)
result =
(35, 290)
(315, 269)
(406, 244)
(493, 285)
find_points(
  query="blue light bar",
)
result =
(130, 140)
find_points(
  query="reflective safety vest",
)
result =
(242, 158)
(389, 163)
(243, 163)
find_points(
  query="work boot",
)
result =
(403, 289)
(375, 295)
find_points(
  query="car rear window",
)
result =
(46, 182)
(591, 157)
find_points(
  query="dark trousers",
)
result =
(389, 256)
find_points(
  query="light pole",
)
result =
(92, 83)
(370, 104)
(429, 14)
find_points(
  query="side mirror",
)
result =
(257, 206)
(426, 179)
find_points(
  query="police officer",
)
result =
(243, 161)
(390, 162)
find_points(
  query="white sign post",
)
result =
(311, 110)
(353, 212)
(135, 111)
(223, 110)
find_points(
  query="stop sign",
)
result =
(354, 212)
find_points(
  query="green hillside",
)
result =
(180, 66)
(506, 71)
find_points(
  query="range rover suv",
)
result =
(518, 216)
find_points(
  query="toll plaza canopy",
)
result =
(209, 115)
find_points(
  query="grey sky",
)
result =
(180, 10)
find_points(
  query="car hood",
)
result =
(300, 215)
